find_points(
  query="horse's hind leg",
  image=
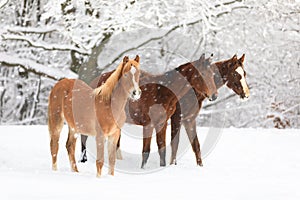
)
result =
(55, 125)
(112, 146)
(100, 139)
(161, 143)
(54, 144)
(70, 145)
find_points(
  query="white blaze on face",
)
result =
(135, 84)
(243, 81)
(133, 70)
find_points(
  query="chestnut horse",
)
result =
(230, 72)
(159, 97)
(99, 112)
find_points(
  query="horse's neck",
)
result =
(221, 73)
(119, 97)
(189, 72)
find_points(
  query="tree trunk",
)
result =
(88, 70)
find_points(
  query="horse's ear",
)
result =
(125, 60)
(210, 58)
(137, 58)
(202, 57)
(242, 58)
(234, 57)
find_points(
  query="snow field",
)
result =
(245, 164)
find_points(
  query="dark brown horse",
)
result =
(230, 72)
(160, 95)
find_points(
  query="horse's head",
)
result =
(236, 77)
(130, 77)
(203, 67)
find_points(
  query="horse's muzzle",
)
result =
(213, 97)
(244, 96)
(136, 94)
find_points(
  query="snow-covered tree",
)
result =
(49, 40)
(54, 38)
(268, 33)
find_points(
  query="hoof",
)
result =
(119, 154)
(145, 156)
(174, 162)
(111, 172)
(75, 170)
(54, 167)
(83, 158)
(200, 164)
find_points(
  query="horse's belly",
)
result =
(86, 130)
(83, 126)
(110, 127)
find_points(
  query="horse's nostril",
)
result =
(134, 92)
(213, 97)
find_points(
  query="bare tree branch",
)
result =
(234, 8)
(158, 37)
(37, 30)
(219, 101)
(3, 3)
(169, 30)
(46, 46)
(228, 3)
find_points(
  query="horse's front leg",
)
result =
(190, 127)
(161, 143)
(112, 146)
(70, 145)
(100, 139)
(147, 136)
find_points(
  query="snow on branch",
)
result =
(29, 65)
(227, 3)
(37, 30)
(3, 3)
(44, 45)
(157, 34)
(163, 32)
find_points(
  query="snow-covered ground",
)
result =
(245, 164)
